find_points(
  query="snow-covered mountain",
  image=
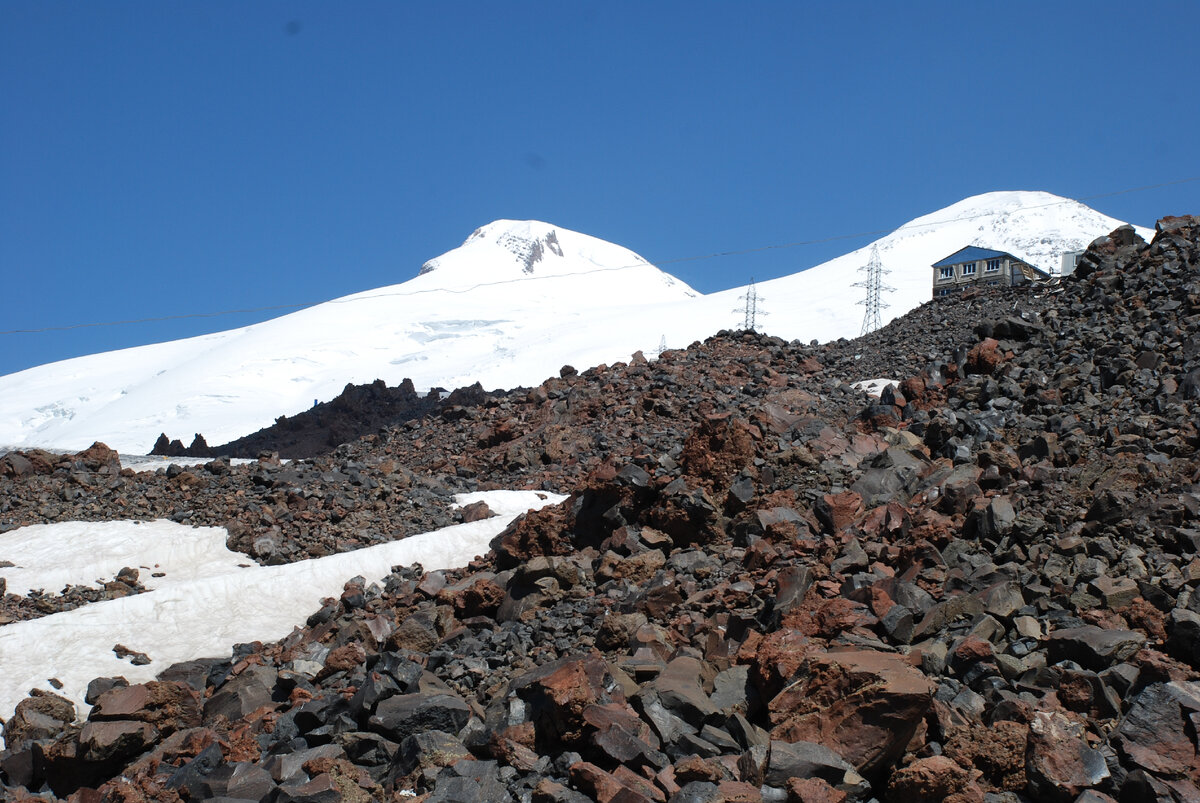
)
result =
(510, 306)
(822, 303)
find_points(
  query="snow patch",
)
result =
(208, 600)
(874, 387)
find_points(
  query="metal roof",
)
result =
(973, 253)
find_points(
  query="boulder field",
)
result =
(764, 585)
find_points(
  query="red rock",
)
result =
(1147, 618)
(838, 511)
(826, 618)
(973, 648)
(548, 791)
(1001, 456)
(1059, 763)
(694, 768)
(913, 388)
(321, 788)
(41, 716)
(813, 790)
(997, 751)
(106, 741)
(888, 521)
(984, 357)
(1075, 692)
(98, 457)
(1157, 666)
(775, 658)
(560, 692)
(665, 779)
(631, 780)
(604, 787)
(934, 780)
(716, 450)
(635, 568)
(167, 705)
(343, 659)
(480, 598)
(476, 511)
(864, 705)
(739, 792)
(538, 532)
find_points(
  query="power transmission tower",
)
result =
(662, 346)
(750, 311)
(874, 285)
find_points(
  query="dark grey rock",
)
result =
(698, 792)
(898, 624)
(1092, 647)
(99, 686)
(288, 768)
(405, 714)
(1183, 636)
(430, 749)
(247, 692)
(804, 760)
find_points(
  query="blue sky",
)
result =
(162, 159)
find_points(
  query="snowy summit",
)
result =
(516, 250)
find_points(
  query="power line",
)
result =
(662, 346)
(750, 311)
(874, 285)
(714, 255)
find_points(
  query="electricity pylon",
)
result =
(750, 311)
(874, 285)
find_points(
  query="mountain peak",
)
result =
(1036, 226)
(528, 240)
(524, 248)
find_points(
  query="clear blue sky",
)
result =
(191, 157)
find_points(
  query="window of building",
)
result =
(968, 269)
(947, 273)
(945, 291)
(993, 265)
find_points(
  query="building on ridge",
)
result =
(1070, 261)
(973, 266)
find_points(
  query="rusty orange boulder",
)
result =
(865, 705)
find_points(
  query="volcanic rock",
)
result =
(984, 584)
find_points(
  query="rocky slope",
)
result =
(764, 586)
(357, 411)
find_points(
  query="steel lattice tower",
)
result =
(874, 285)
(750, 311)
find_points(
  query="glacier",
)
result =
(510, 306)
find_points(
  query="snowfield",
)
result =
(206, 600)
(514, 303)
